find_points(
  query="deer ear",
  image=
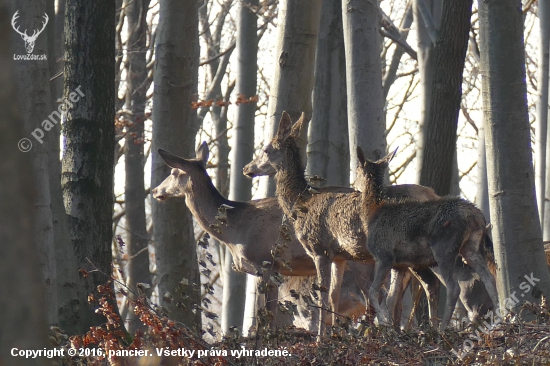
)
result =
(297, 127)
(203, 153)
(173, 161)
(284, 127)
(385, 161)
(361, 156)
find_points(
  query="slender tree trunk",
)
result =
(328, 144)
(87, 168)
(174, 129)
(293, 80)
(482, 195)
(541, 126)
(23, 318)
(516, 229)
(137, 269)
(35, 103)
(441, 123)
(366, 116)
(243, 147)
(427, 16)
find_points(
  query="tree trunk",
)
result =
(366, 115)
(137, 267)
(541, 126)
(441, 123)
(516, 229)
(242, 153)
(87, 168)
(174, 129)
(328, 151)
(23, 317)
(35, 103)
(427, 16)
(293, 80)
(482, 195)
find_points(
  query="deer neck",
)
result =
(291, 181)
(203, 200)
(373, 194)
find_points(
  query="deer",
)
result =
(29, 40)
(251, 230)
(409, 233)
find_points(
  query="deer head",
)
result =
(176, 184)
(261, 165)
(371, 171)
(29, 40)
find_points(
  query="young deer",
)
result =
(252, 227)
(419, 234)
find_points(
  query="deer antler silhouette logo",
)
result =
(29, 40)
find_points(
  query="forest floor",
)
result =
(351, 342)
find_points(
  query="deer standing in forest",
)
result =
(411, 233)
(251, 228)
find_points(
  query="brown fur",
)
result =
(420, 234)
(252, 227)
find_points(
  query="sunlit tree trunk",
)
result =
(292, 81)
(366, 115)
(174, 129)
(516, 230)
(541, 126)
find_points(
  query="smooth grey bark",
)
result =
(87, 166)
(425, 12)
(449, 55)
(242, 153)
(366, 115)
(174, 129)
(35, 103)
(328, 144)
(541, 123)
(23, 318)
(293, 80)
(482, 195)
(137, 240)
(516, 230)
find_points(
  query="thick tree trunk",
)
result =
(441, 123)
(87, 168)
(23, 318)
(174, 129)
(293, 80)
(516, 229)
(541, 126)
(366, 115)
(328, 151)
(137, 268)
(35, 103)
(482, 195)
(243, 149)
(427, 16)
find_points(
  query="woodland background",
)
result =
(460, 87)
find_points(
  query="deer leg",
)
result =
(430, 284)
(395, 295)
(323, 264)
(271, 301)
(337, 275)
(381, 271)
(445, 271)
